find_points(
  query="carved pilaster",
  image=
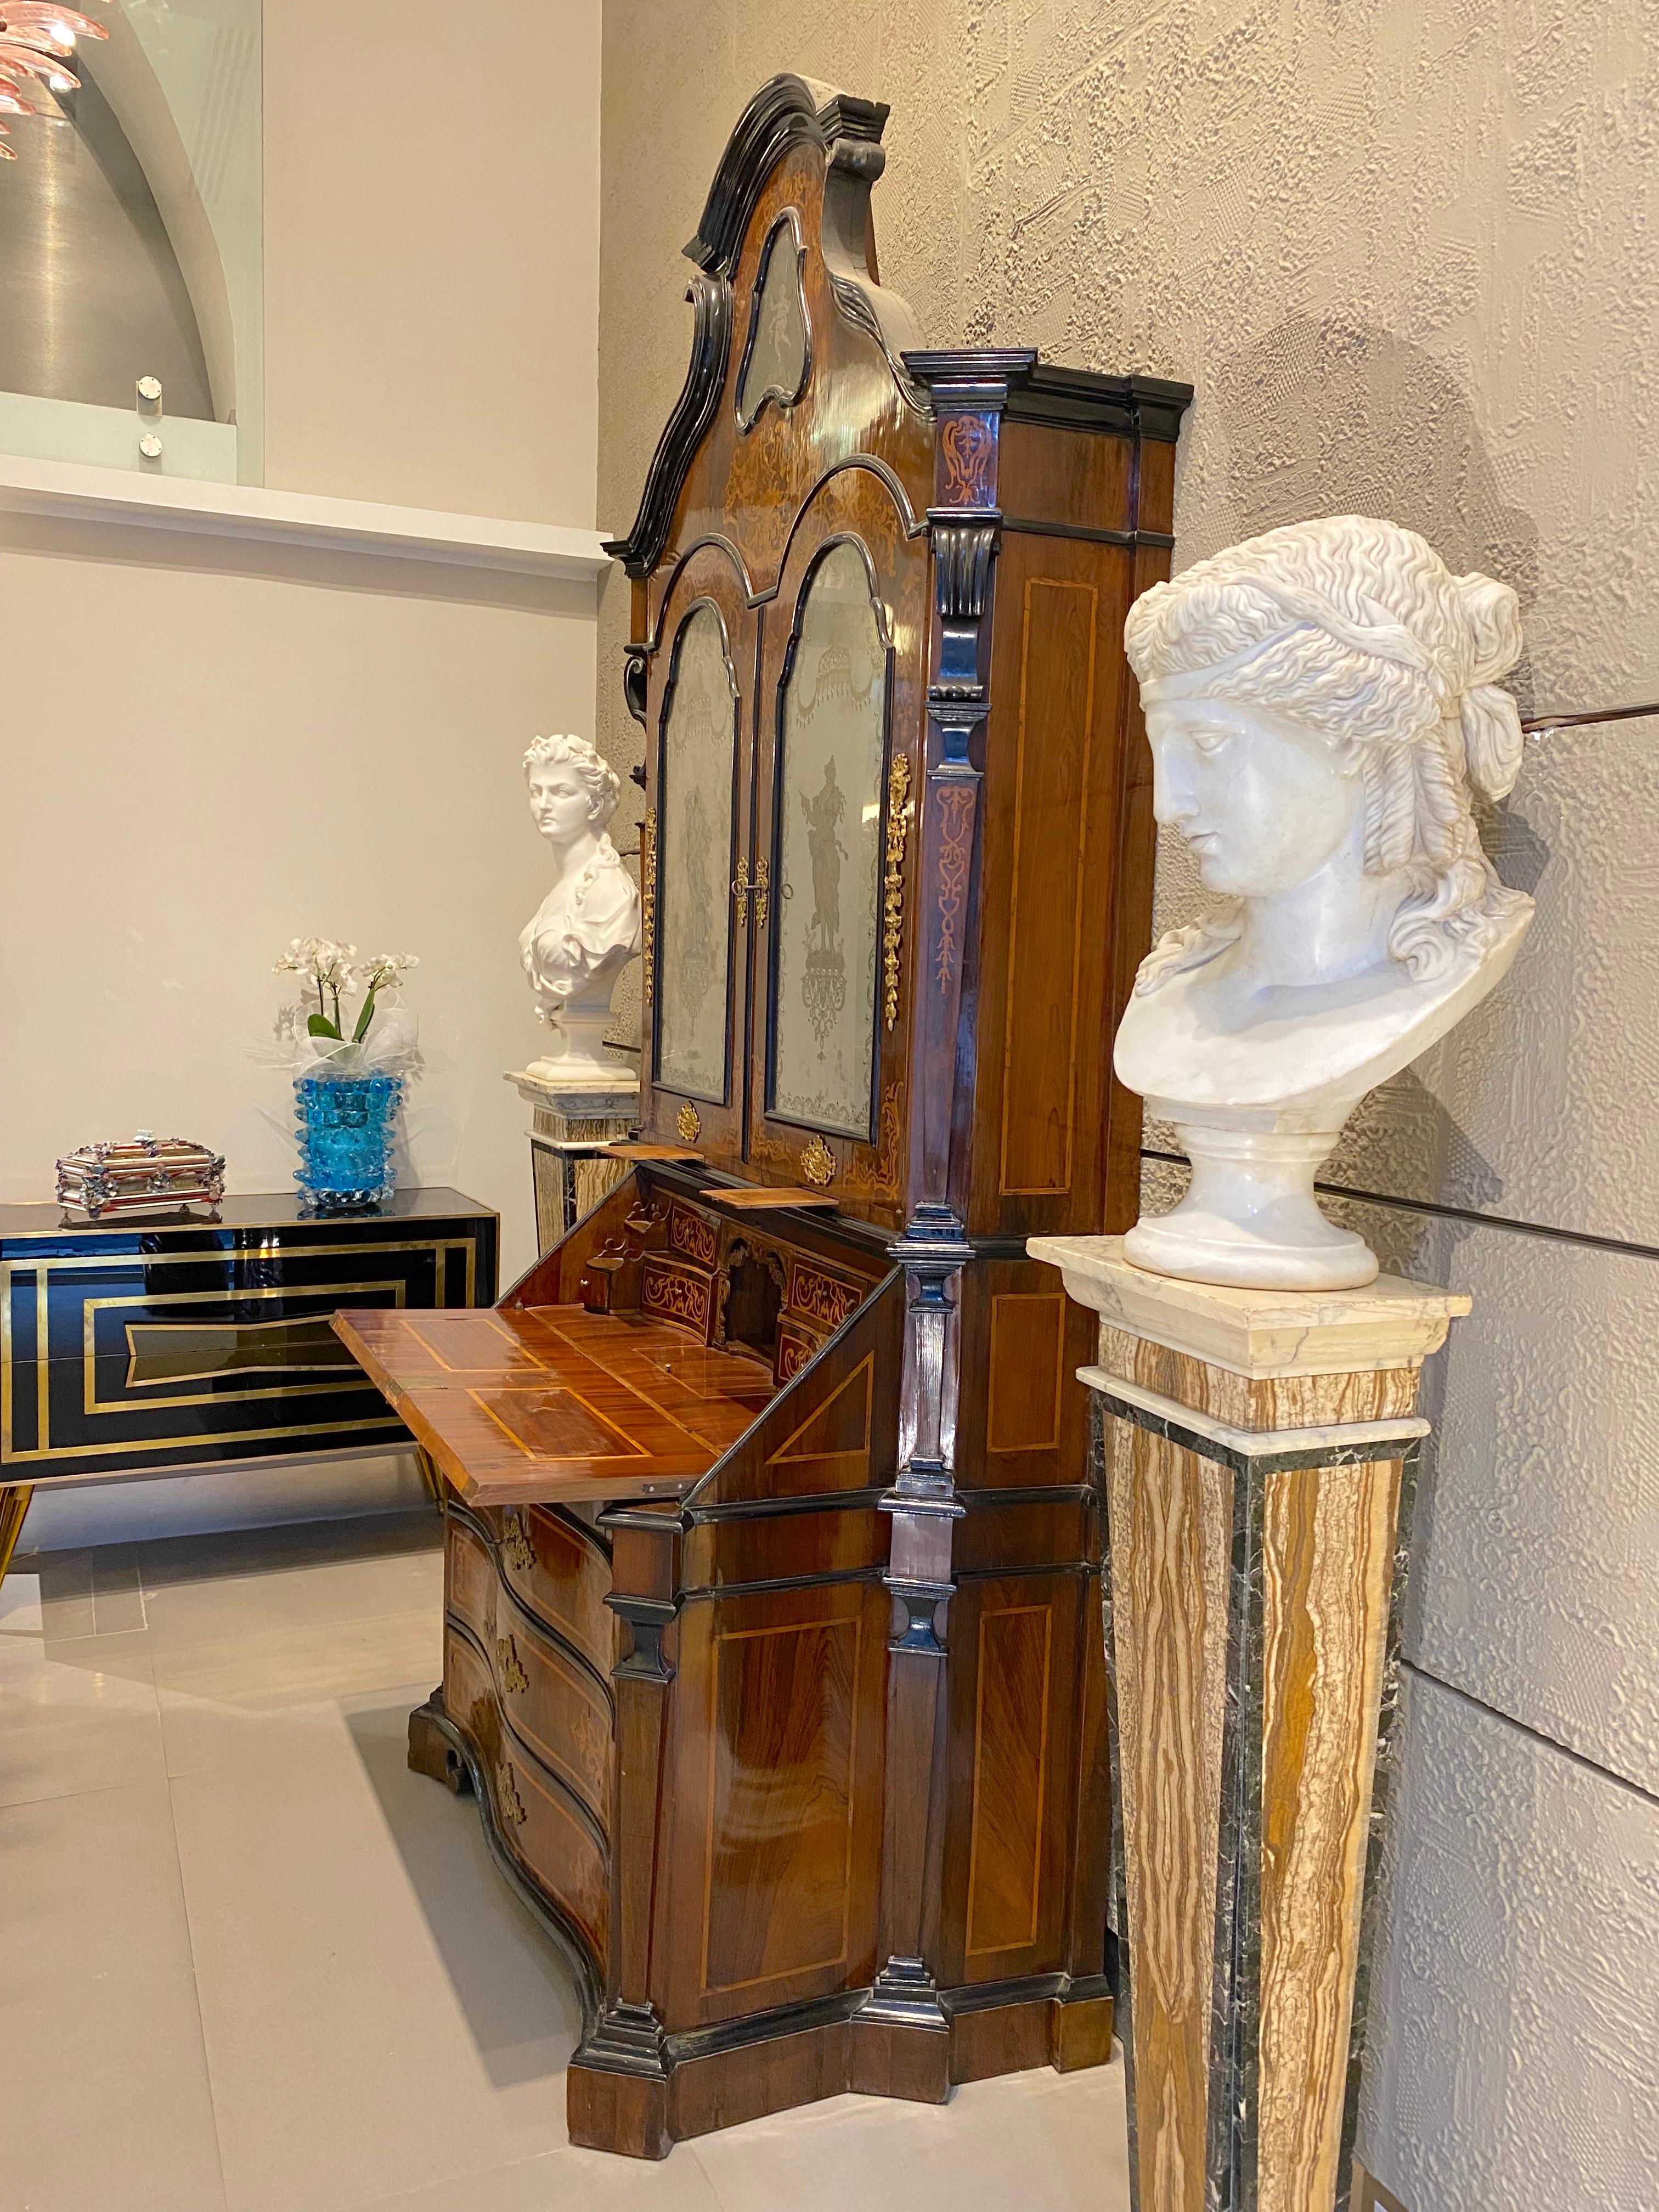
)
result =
(627, 2040)
(923, 1509)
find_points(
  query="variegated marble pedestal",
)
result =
(1256, 1455)
(571, 1123)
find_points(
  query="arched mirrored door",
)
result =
(832, 730)
(839, 741)
(697, 860)
(694, 860)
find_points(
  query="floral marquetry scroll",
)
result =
(834, 737)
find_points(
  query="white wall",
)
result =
(432, 269)
(241, 746)
(211, 746)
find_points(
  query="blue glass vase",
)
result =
(346, 1125)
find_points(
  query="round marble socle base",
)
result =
(1249, 1219)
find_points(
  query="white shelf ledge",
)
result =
(74, 492)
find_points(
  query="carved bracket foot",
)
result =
(616, 2090)
(899, 2040)
(432, 1751)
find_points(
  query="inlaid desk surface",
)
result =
(535, 1405)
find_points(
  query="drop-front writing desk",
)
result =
(666, 1671)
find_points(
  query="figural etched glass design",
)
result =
(829, 794)
(699, 760)
(346, 1125)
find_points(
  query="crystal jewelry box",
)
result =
(150, 1175)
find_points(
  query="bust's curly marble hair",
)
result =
(599, 780)
(1357, 629)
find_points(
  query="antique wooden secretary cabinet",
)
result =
(774, 1643)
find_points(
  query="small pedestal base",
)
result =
(571, 1123)
(1255, 1453)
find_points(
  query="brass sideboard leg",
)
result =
(14, 1509)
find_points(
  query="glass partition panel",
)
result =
(695, 801)
(131, 241)
(829, 803)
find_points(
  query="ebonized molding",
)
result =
(783, 113)
(694, 411)
(1011, 379)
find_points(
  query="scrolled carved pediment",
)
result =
(787, 114)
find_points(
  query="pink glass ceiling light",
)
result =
(36, 39)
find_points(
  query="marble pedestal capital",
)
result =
(1256, 1452)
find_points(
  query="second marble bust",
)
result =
(1321, 701)
(587, 927)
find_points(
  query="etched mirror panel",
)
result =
(694, 804)
(775, 361)
(834, 728)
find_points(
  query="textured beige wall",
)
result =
(1408, 254)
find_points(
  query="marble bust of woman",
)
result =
(587, 927)
(1321, 701)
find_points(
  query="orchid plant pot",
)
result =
(349, 1075)
(347, 1126)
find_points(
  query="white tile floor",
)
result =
(249, 1963)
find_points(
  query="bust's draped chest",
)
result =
(585, 919)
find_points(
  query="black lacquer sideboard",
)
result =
(140, 1347)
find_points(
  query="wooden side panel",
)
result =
(1042, 1018)
(833, 1427)
(1016, 1670)
(784, 1696)
(1026, 1385)
(1013, 1722)
(1327, 1562)
(1054, 772)
(770, 1866)
(1171, 1532)
(1023, 1416)
(1067, 479)
(782, 1547)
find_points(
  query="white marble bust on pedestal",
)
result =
(587, 928)
(1319, 702)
